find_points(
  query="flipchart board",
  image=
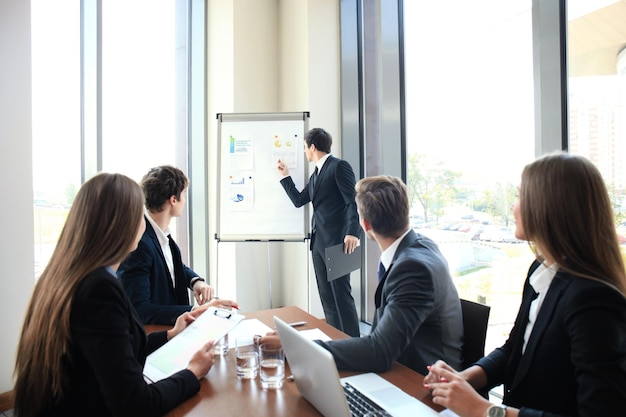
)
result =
(252, 204)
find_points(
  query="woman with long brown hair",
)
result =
(82, 347)
(566, 354)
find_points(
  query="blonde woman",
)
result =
(566, 354)
(82, 348)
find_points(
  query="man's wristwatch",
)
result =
(496, 411)
(193, 282)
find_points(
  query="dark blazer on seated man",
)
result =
(418, 315)
(154, 276)
(147, 281)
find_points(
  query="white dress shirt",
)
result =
(540, 280)
(165, 246)
(387, 256)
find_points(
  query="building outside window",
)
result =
(597, 93)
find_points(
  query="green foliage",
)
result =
(70, 193)
(497, 202)
(436, 188)
(431, 185)
(618, 202)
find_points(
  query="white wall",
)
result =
(270, 56)
(16, 222)
(310, 81)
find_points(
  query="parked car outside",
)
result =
(504, 234)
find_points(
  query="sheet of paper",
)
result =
(448, 413)
(174, 355)
(315, 334)
(248, 328)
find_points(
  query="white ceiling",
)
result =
(595, 40)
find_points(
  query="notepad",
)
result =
(175, 355)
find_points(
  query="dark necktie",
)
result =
(314, 179)
(311, 192)
(381, 271)
(182, 295)
(172, 252)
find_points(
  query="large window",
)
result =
(56, 119)
(597, 93)
(110, 93)
(470, 131)
(138, 85)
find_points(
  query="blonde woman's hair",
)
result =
(566, 210)
(100, 231)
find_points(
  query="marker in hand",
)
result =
(282, 168)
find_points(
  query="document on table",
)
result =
(174, 355)
(315, 334)
(248, 328)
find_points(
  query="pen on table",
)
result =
(295, 324)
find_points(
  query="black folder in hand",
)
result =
(339, 264)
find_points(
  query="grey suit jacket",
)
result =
(418, 315)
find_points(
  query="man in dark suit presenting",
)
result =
(335, 220)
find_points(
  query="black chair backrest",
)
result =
(475, 318)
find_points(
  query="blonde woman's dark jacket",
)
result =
(104, 363)
(575, 360)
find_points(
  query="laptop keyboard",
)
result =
(360, 405)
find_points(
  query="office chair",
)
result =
(475, 318)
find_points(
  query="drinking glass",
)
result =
(272, 369)
(247, 358)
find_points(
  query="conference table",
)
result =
(223, 394)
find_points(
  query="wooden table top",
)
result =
(223, 394)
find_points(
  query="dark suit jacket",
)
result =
(107, 351)
(147, 281)
(334, 208)
(575, 360)
(418, 315)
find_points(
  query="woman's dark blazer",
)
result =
(107, 351)
(575, 360)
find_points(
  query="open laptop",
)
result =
(317, 379)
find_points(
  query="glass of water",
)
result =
(272, 369)
(221, 346)
(247, 358)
